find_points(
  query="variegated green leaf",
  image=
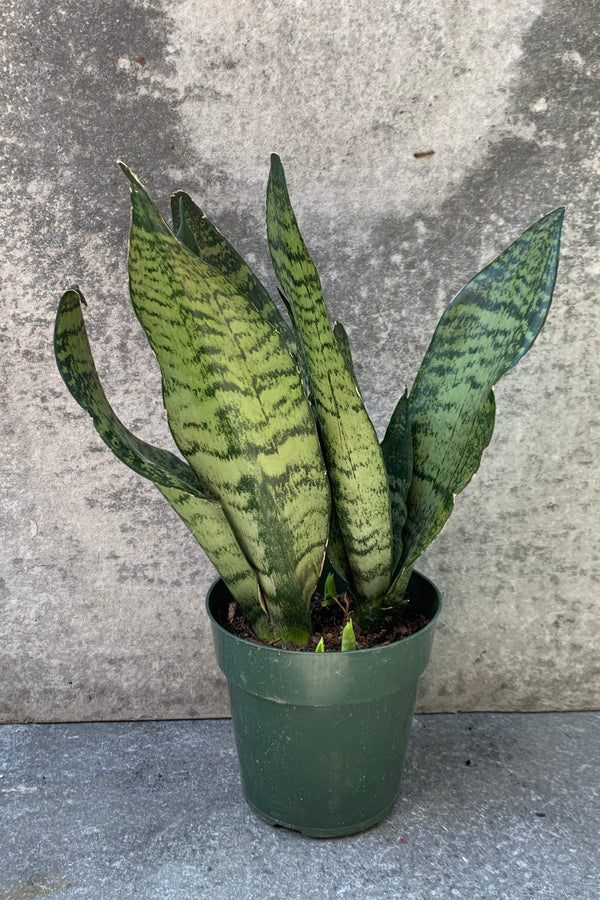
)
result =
(181, 224)
(196, 231)
(343, 342)
(173, 477)
(213, 532)
(77, 368)
(398, 456)
(354, 459)
(237, 412)
(336, 550)
(485, 331)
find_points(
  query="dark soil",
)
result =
(328, 623)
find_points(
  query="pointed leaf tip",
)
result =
(558, 214)
(277, 171)
(124, 167)
(348, 637)
(74, 289)
(552, 219)
(134, 181)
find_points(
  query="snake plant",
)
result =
(279, 459)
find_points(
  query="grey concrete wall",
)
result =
(101, 586)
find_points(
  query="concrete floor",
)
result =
(504, 806)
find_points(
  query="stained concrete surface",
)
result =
(501, 806)
(101, 587)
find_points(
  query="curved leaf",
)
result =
(354, 459)
(174, 479)
(484, 332)
(77, 368)
(237, 412)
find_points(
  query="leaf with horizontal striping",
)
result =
(173, 477)
(343, 343)
(484, 332)
(354, 459)
(181, 224)
(398, 456)
(237, 411)
(76, 366)
(336, 550)
(213, 532)
(197, 232)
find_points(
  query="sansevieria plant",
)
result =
(282, 463)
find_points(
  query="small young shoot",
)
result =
(320, 648)
(348, 636)
(330, 592)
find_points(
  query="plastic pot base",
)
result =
(344, 831)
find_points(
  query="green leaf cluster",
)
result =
(279, 459)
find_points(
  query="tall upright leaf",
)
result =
(343, 342)
(199, 234)
(354, 459)
(397, 450)
(237, 412)
(195, 230)
(484, 332)
(173, 477)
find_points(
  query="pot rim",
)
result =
(330, 653)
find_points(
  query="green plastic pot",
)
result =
(321, 737)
